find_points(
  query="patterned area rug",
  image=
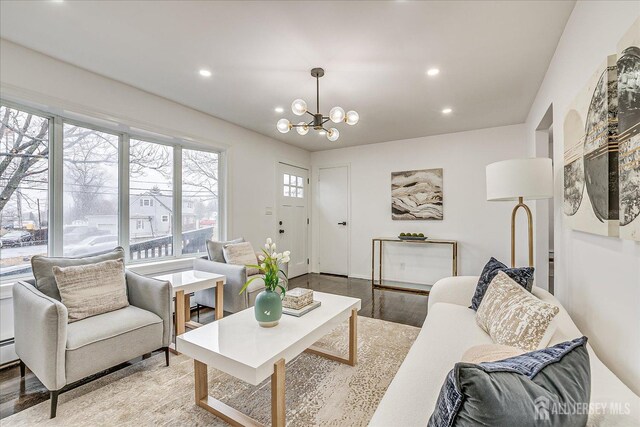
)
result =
(318, 391)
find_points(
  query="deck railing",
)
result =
(192, 242)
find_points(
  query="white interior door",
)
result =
(333, 211)
(293, 189)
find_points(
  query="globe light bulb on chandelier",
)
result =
(336, 114)
(302, 128)
(352, 118)
(299, 107)
(283, 125)
(333, 134)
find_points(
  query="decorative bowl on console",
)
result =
(412, 236)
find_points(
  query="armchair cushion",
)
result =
(215, 249)
(43, 269)
(89, 290)
(99, 342)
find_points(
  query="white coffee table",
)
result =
(185, 282)
(238, 346)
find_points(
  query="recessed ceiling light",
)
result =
(279, 110)
(433, 72)
(205, 73)
(447, 111)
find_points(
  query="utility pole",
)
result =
(39, 217)
(19, 206)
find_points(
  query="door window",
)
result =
(293, 186)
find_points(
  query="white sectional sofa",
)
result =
(449, 329)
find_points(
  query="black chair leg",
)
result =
(54, 402)
(198, 312)
(166, 355)
(22, 369)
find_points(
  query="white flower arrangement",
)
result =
(270, 267)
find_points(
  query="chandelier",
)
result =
(336, 115)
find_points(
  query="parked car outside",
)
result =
(15, 238)
(81, 232)
(92, 246)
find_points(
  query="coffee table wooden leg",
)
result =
(216, 407)
(277, 395)
(219, 300)
(353, 338)
(201, 381)
(353, 344)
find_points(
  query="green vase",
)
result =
(268, 308)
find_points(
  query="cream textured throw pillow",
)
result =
(241, 254)
(512, 316)
(489, 353)
(92, 289)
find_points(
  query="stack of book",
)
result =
(299, 301)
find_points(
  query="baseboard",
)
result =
(8, 353)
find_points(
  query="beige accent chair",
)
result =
(61, 353)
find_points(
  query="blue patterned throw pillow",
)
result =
(521, 275)
(552, 385)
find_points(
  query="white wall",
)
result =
(597, 278)
(30, 77)
(482, 228)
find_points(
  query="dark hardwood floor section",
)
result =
(411, 309)
(400, 307)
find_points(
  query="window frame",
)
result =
(125, 134)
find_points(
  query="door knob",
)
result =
(281, 231)
(342, 223)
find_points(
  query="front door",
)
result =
(292, 216)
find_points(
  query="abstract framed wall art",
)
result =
(591, 193)
(629, 132)
(417, 195)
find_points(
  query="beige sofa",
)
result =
(450, 329)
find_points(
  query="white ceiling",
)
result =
(492, 57)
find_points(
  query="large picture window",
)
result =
(150, 200)
(24, 189)
(199, 199)
(89, 203)
(90, 174)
